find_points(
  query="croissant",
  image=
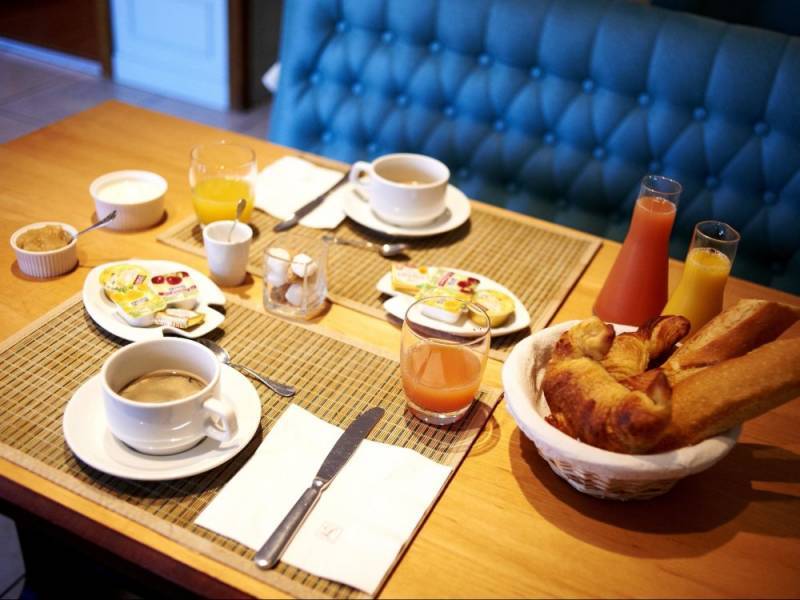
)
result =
(587, 401)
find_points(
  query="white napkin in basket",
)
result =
(290, 182)
(362, 521)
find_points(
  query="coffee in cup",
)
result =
(164, 385)
(162, 396)
(404, 189)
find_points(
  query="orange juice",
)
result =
(215, 199)
(698, 296)
(636, 288)
(440, 378)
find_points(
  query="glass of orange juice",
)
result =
(698, 295)
(441, 364)
(220, 173)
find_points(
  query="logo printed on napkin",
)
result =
(329, 532)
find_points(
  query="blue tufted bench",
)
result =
(558, 108)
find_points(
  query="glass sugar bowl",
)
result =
(295, 276)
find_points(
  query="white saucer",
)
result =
(87, 435)
(398, 305)
(104, 312)
(457, 211)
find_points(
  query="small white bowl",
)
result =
(137, 196)
(50, 263)
(591, 470)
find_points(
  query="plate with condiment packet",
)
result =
(105, 313)
(400, 301)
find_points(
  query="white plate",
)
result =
(87, 435)
(457, 211)
(397, 306)
(104, 312)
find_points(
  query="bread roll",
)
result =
(734, 332)
(731, 392)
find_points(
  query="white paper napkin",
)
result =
(290, 182)
(362, 521)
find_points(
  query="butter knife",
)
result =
(309, 206)
(270, 553)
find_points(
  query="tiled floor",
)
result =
(35, 93)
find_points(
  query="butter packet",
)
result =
(177, 289)
(409, 279)
(126, 286)
(445, 305)
(179, 318)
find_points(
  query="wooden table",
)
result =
(506, 525)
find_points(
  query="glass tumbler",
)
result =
(295, 276)
(441, 364)
(699, 294)
(220, 173)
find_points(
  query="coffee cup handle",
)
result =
(228, 426)
(359, 168)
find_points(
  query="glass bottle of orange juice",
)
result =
(220, 174)
(699, 294)
(636, 288)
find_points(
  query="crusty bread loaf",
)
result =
(731, 392)
(736, 331)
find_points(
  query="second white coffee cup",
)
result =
(170, 426)
(404, 189)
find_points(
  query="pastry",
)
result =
(588, 403)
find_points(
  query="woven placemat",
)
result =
(48, 361)
(540, 265)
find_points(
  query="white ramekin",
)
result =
(144, 212)
(50, 263)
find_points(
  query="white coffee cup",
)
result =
(404, 189)
(227, 260)
(171, 426)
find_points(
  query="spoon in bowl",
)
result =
(385, 250)
(107, 219)
(239, 210)
(222, 355)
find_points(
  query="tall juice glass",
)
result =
(220, 173)
(636, 288)
(699, 294)
(441, 365)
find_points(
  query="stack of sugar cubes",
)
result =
(294, 284)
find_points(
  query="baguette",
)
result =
(731, 392)
(736, 331)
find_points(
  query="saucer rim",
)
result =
(454, 197)
(123, 471)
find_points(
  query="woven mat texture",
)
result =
(538, 264)
(47, 362)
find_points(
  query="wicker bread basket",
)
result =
(588, 469)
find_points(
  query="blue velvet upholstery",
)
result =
(558, 108)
